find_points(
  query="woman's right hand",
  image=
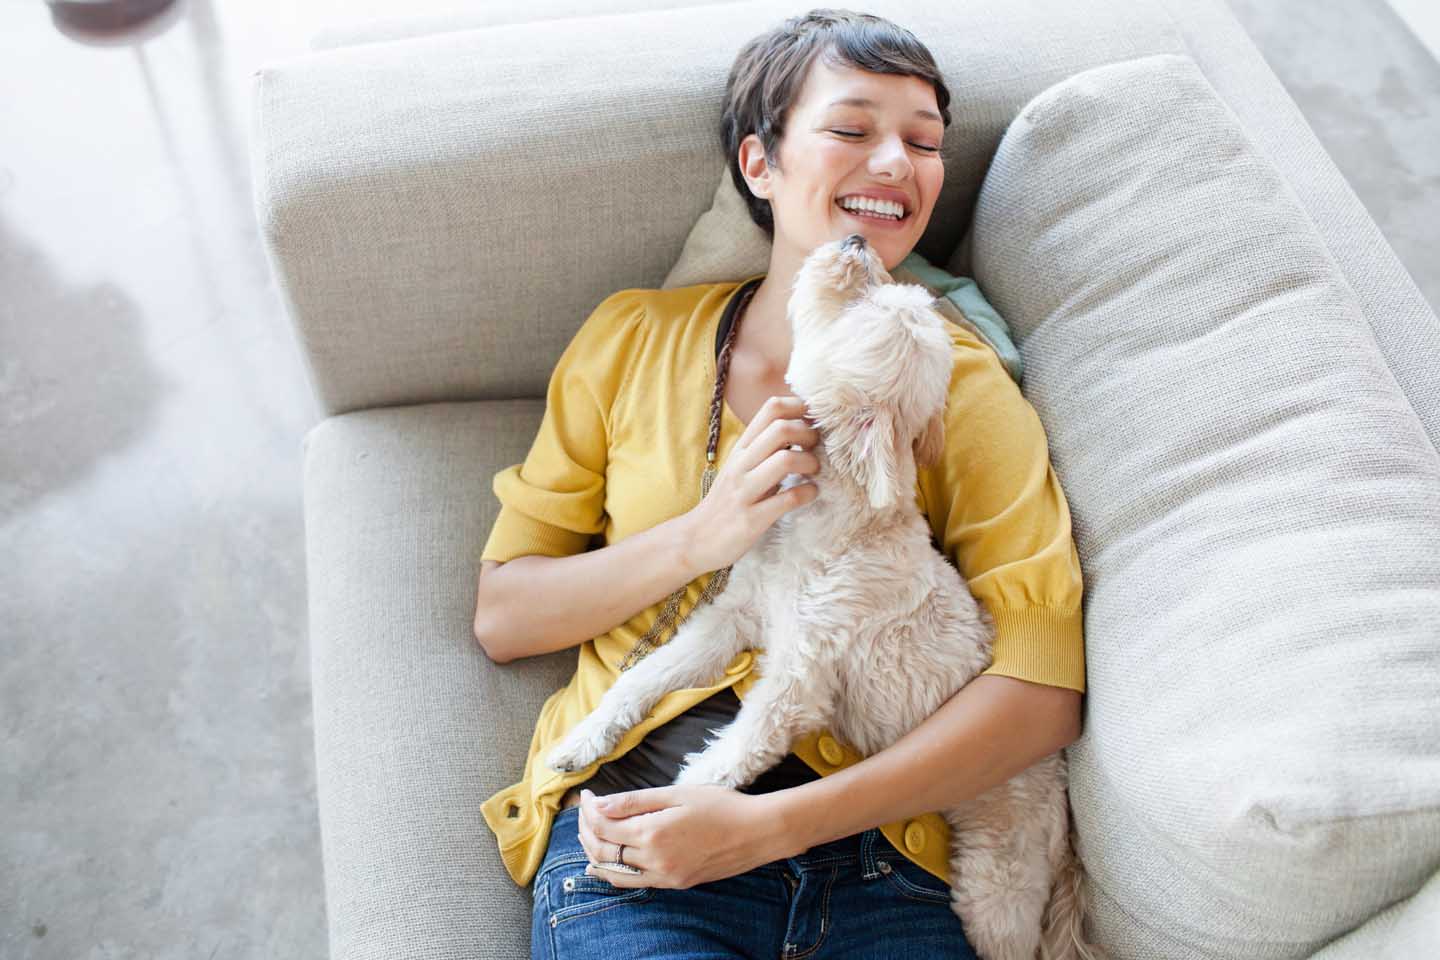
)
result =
(743, 503)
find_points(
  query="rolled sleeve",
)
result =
(553, 503)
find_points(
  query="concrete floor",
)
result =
(158, 786)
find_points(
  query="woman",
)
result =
(827, 854)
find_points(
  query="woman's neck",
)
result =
(766, 333)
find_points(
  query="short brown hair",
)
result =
(766, 77)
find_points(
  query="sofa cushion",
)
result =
(725, 243)
(1257, 510)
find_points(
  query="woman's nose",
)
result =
(890, 156)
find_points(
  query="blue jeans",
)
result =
(853, 898)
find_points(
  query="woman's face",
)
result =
(831, 150)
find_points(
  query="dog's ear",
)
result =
(877, 457)
(931, 442)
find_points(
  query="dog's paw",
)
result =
(703, 769)
(580, 748)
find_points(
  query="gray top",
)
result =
(655, 760)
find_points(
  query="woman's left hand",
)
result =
(680, 835)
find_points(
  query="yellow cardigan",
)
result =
(621, 448)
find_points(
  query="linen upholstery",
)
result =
(414, 726)
(1405, 327)
(724, 244)
(478, 186)
(442, 16)
(418, 200)
(326, 153)
(1257, 509)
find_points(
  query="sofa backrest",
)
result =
(442, 212)
(376, 21)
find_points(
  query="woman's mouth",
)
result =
(881, 220)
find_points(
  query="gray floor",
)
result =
(158, 790)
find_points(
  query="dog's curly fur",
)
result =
(861, 625)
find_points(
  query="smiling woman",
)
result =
(840, 105)
(832, 125)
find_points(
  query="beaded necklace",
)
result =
(720, 577)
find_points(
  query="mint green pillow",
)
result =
(965, 294)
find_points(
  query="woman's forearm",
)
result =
(536, 604)
(989, 731)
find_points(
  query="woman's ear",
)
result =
(931, 442)
(754, 167)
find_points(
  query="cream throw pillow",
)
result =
(1256, 506)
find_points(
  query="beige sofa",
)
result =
(443, 200)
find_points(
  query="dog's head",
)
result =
(872, 360)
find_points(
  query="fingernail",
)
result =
(587, 793)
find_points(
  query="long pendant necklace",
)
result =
(720, 577)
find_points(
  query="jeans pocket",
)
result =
(914, 881)
(570, 893)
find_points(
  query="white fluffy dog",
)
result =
(861, 625)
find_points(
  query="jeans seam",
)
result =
(827, 861)
(867, 855)
(914, 890)
(824, 918)
(542, 912)
(569, 859)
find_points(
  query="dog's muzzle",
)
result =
(853, 241)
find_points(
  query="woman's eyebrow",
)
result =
(866, 102)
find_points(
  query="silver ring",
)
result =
(618, 865)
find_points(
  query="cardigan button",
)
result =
(741, 663)
(830, 751)
(914, 837)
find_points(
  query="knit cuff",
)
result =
(1040, 644)
(517, 534)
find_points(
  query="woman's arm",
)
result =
(988, 732)
(537, 604)
(992, 729)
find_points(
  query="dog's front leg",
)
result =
(703, 644)
(777, 709)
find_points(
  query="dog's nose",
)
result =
(853, 241)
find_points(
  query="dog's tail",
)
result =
(1062, 932)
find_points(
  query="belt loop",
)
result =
(868, 859)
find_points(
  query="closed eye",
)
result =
(853, 133)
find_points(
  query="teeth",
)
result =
(884, 207)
